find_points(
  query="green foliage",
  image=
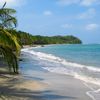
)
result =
(7, 20)
(9, 45)
(9, 40)
(10, 57)
(28, 39)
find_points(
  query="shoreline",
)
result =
(43, 85)
(16, 87)
(19, 87)
(77, 65)
(95, 88)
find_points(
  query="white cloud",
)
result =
(66, 26)
(67, 2)
(47, 13)
(78, 2)
(12, 3)
(92, 27)
(89, 2)
(90, 13)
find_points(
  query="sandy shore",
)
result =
(62, 87)
(42, 85)
(16, 87)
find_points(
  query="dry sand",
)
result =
(18, 88)
(15, 87)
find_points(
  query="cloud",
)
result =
(92, 27)
(12, 3)
(47, 13)
(90, 13)
(66, 26)
(67, 2)
(78, 2)
(89, 2)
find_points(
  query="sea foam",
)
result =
(86, 73)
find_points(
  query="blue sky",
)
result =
(80, 18)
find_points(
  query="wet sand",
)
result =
(41, 85)
(62, 87)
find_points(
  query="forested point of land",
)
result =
(25, 38)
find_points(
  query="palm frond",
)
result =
(7, 11)
(7, 19)
(10, 57)
(9, 40)
(9, 22)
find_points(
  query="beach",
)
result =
(63, 87)
(43, 86)
(44, 80)
(53, 53)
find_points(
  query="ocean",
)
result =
(81, 61)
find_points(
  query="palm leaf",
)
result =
(9, 40)
(6, 18)
(10, 57)
(5, 11)
(9, 22)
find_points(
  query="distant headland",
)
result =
(29, 39)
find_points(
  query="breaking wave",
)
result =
(89, 74)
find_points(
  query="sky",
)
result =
(80, 18)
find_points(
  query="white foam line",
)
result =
(89, 92)
(28, 48)
(97, 91)
(91, 96)
(89, 87)
(53, 58)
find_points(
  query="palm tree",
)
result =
(9, 46)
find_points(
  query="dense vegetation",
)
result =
(28, 39)
(9, 45)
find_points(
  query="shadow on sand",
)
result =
(8, 92)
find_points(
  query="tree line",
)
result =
(28, 39)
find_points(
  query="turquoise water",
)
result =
(83, 54)
(79, 61)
